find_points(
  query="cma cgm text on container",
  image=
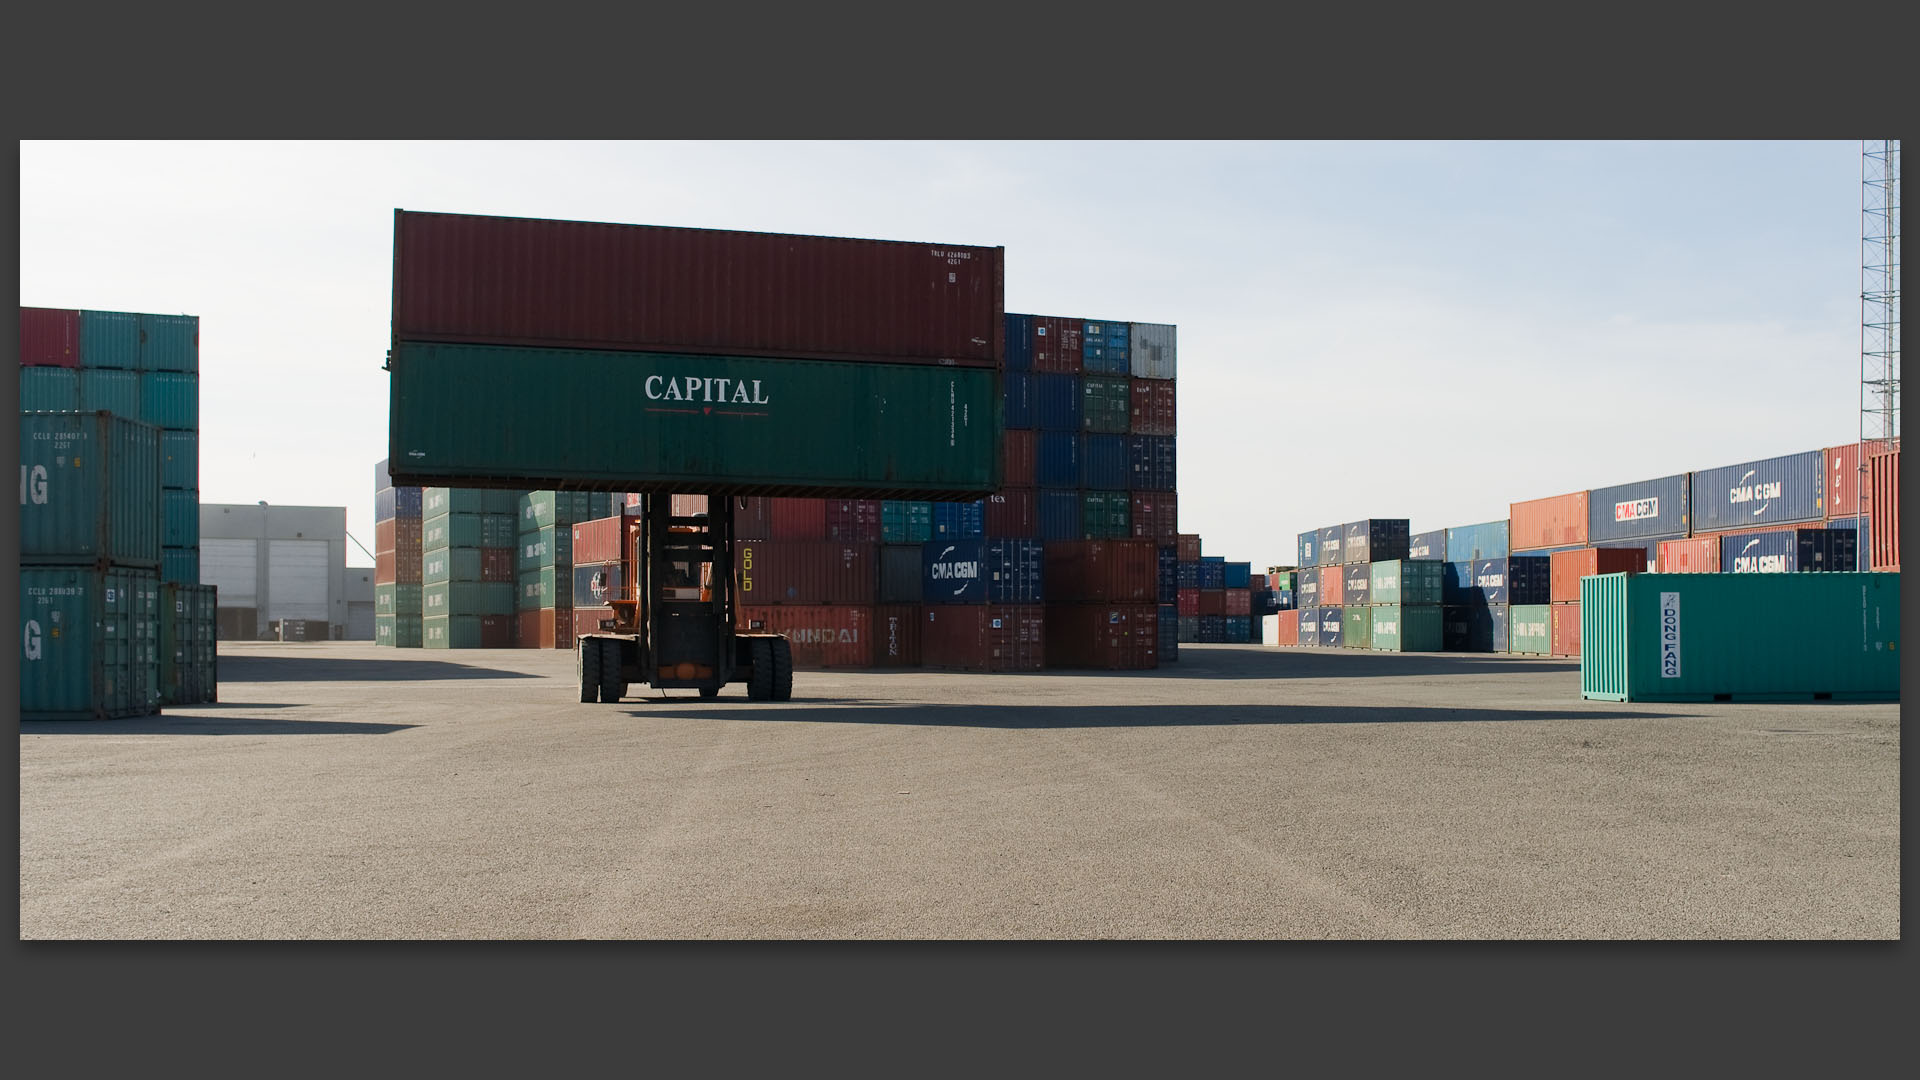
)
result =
(1766, 492)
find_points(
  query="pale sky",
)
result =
(1419, 330)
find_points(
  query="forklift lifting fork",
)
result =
(673, 618)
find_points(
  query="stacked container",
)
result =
(189, 633)
(541, 524)
(397, 611)
(1404, 609)
(1102, 607)
(466, 568)
(1565, 569)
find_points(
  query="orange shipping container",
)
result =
(1566, 628)
(546, 628)
(1282, 629)
(1189, 545)
(1570, 566)
(1698, 555)
(586, 620)
(1332, 585)
(1553, 522)
(1845, 478)
(1883, 503)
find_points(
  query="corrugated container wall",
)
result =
(536, 282)
(1883, 495)
(1428, 546)
(1152, 351)
(89, 489)
(91, 646)
(1556, 521)
(1643, 510)
(1767, 492)
(49, 337)
(805, 572)
(1695, 555)
(1470, 543)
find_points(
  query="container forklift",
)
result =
(673, 613)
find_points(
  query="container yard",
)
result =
(764, 585)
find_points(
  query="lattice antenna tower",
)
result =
(1879, 301)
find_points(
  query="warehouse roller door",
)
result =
(232, 566)
(297, 580)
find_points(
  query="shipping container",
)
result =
(1104, 348)
(526, 281)
(1020, 461)
(1166, 573)
(1643, 510)
(1696, 555)
(180, 459)
(1356, 581)
(1556, 521)
(806, 572)
(906, 521)
(112, 390)
(896, 635)
(1474, 628)
(471, 631)
(1189, 545)
(169, 342)
(601, 540)
(180, 566)
(1106, 515)
(1404, 628)
(1566, 568)
(1309, 548)
(543, 628)
(1863, 531)
(89, 490)
(1356, 627)
(1239, 630)
(547, 587)
(1282, 628)
(1012, 514)
(1791, 551)
(179, 518)
(550, 546)
(1057, 403)
(1105, 463)
(1333, 546)
(110, 339)
(731, 425)
(189, 635)
(470, 598)
(1471, 543)
(49, 389)
(1236, 602)
(1213, 601)
(1847, 477)
(983, 637)
(397, 631)
(168, 399)
(398, 534)
(959, 520)
(1153, 408)
(901, 572)
(1566, 629)
(1333, 585)
(1186, 601)
(471, 531)
(1213, 572)
(1152, 463)
(1015, 571)
(753, 518)
(49, 337)
(1152, 352)
(1530, 629)
(953, 572)
(1101, 571)
(1016, 332)
(1374, 540)
(436, 502)
(1057, 459)
(1332, 628)
(1427, 546)
(1716, 637)
(1409, 582)
(798, 519)
(1107, 637)
(1772, 491)
(1308, 629)
(393, 599)
(1521, 579)
(599, 584)
(586, 620)
(403, 565)
(1058, 515)
(1883, 502)
(819, 635)
(1168, 627)
(1106, 404)
(1153, 516)
(91, 643)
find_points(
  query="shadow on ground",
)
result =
(174, 724)
(246, 669)
(1009, 717)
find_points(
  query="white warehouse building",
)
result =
(278, 566)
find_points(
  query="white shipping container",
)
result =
(1152, 348)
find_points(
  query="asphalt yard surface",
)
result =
(344, 791)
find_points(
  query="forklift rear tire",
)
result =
(760, 684)
(782, 670)
(708, 693)
(588, 660)
(611, 688)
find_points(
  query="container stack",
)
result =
(538, 557)
(466, 568)
(1403, 604)
(822, 593)
(599, 573)
(397, 565)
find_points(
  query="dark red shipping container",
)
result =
(1696, 555)
(1213, 601)
(1845, 478)
(1333, 585)
(1154, 516)
(586, 620)
(497, 564)
(1018, 448)
(1016, 637)
(853, 519)
(600, 540)
(49, 337)
(1238, 602)
(1011, 515)
(896, 635)
(1566, 627)
(397, 567)
(1189, 546)
(797, 519)
(1056, 344)
(820, 635)
(1153, 407)
(1883, 502)
(806, 572)
(1101, 571)
(1187, 601)
(752, 518)
(1568, 567)
(1110, 637)
(546, 628)
(496, 632)
(1557, 521)
(953, 637)
(651, 288)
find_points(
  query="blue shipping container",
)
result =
(1790, 551)
(407, 501)
(1016, 401)
(953, 572)
(1057, 461)
(1014, 572)
(1333, 543)
(1522, 579)
(1103, 462)
(170, 399)
(1309, 548)
(1056, 402)
(1169, 574)
(1471, 543)
(1058, 514)
(1187, 575)
(1375, 540)
(1456, 579)
(1306, 591)
(1330, 636)
(1236, 575)
(110, 339)
(1769, 492)
(1863, 527)
(1150, 461)
(960, 520)
(1474, 628)
(382, 503)
(1018, 333)
(1213, 572)
(596, 584)
(1644, 510)
(1213, 629)
(1169, 630)
(1239, 629)
(1431, 546)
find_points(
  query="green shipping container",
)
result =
(549, 509)
(436, 502)
(111, 390)
(393, 599)
(397, 631)
(1530, 629)
(1106, 404)
(169, 342)
(466, 598)
(906, 521)
(179, 517)
(188, 645)
(109, 339)
(170, 399)
(1356, 628)
(450, 564)
(544, 549)
(551, 587)
(1405, 581)
(562, 417)
(1106, 515)
(451, 632)
(499, 530)
(1740, 637)
(1404, 628)
(180, 566)
(89, 489)
(49, 389)
(180, 459)
(457, 530)
(90, 642)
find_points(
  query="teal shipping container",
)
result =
(395, 599)
(111, 390)
(1530, 629)
(170, 399)
(466, 598)
(110, 339)
(1405, 628)
(544, 549)
(439, 502)
(906, 521)
(548, 509)
(49, 389)
(567, 418)
(398, 631)
(466, 632)
(90, 642)
(449, 564)
(180, 459)
(1740, 637)
(189, 654)
(1405, 581)
(169, 342)
(179, 517)
(89, 489)
(180, 566)
(549, 587)
(1106, 515)
(463, 530)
